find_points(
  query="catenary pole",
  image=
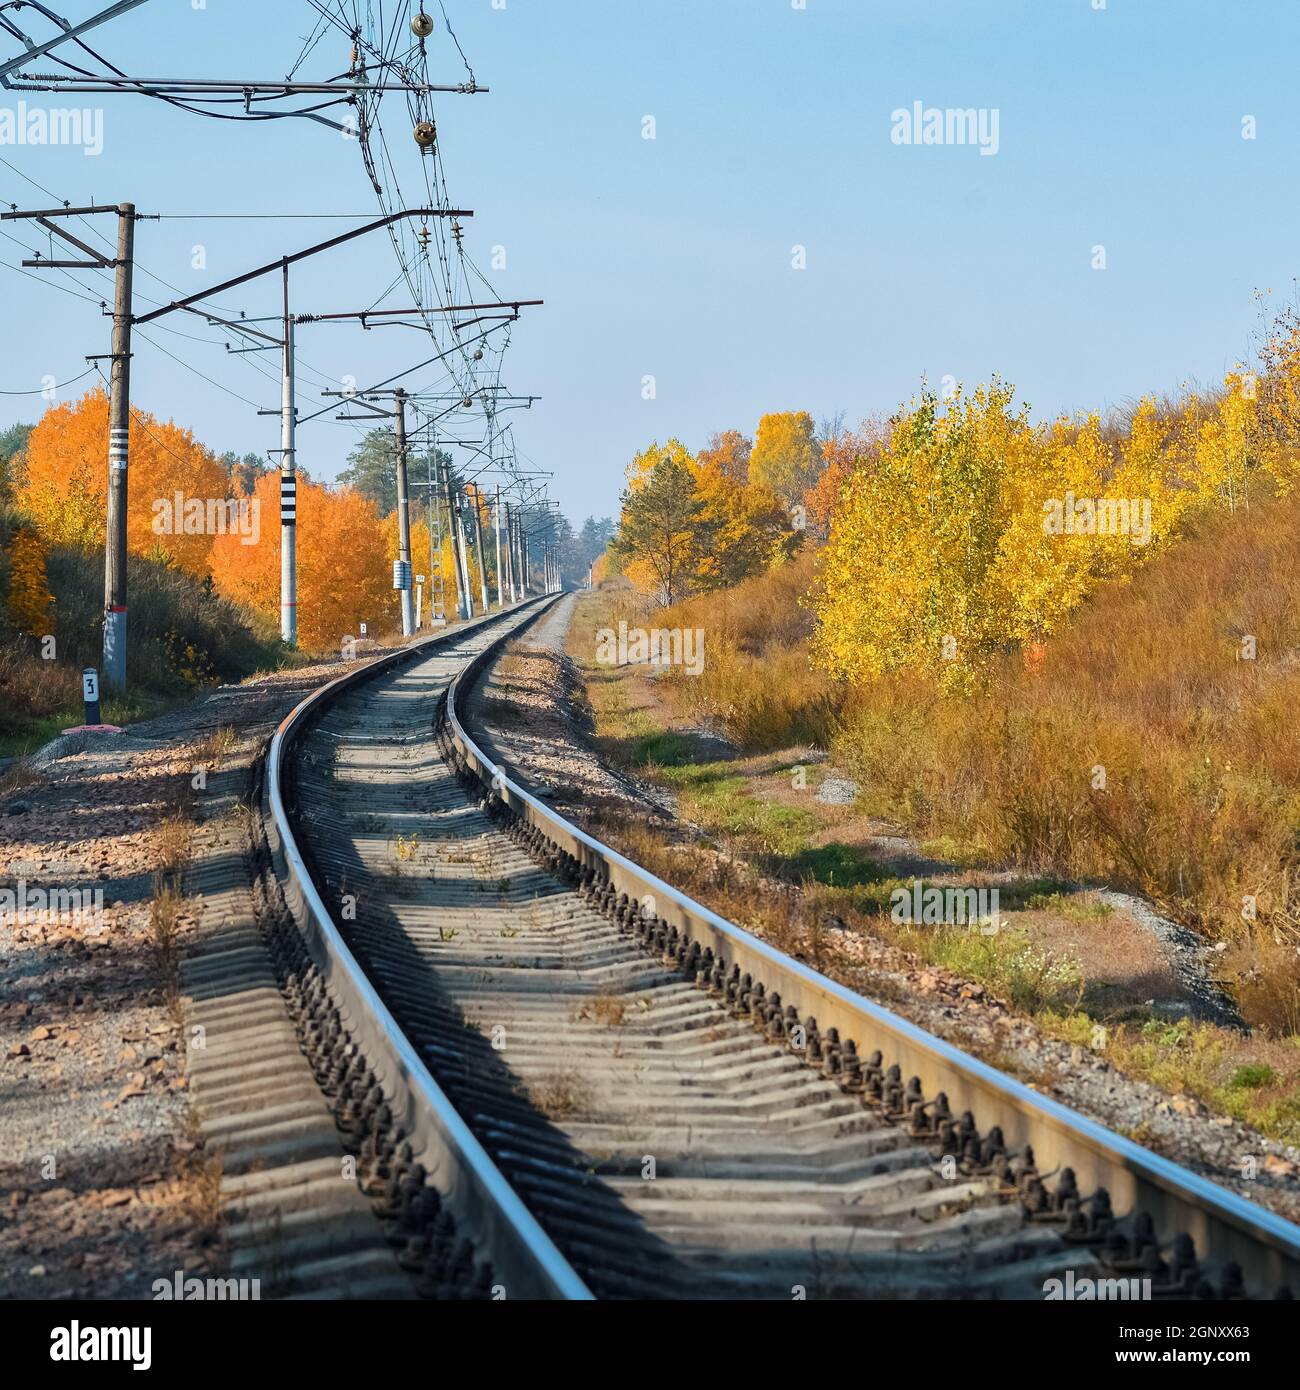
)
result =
(496, 526)
(288, 484)
(403, 513)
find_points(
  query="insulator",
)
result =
(425, 135)
(421, 25)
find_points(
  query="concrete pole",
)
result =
(464, 557)
(403, 512)
(119, 422)
(496, 526)
(288, 486)
(462, 588)
(510, 550)
(437, 580)
(478, 542)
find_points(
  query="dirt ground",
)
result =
(103, 1182)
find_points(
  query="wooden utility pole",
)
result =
(119, 407)
(119, 433)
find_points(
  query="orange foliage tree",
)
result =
(344, 576)
(66, 481)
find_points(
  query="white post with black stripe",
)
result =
(402, 565)
(288, 488)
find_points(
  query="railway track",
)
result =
(561, 1078)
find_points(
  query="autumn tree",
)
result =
(743, 526)
(344, 576)
(908, 579)
(660, 530)
(729, 453)
(786, 455)
(638, 471)
(13, 441)
(28, 599)
(242, 473)
(66, 468)
(843, 451)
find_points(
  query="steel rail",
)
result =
(525, 1261)
(1225, 1226)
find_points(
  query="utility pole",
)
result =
(510, 554)
(119, 423)
(288, 484)
(437, 589)
(402, 575)
(464, 553)
(496, 521)
(478, 542)
(119, 401)
(287, 412)
(462, 584)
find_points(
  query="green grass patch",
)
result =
(1076, 908)
(1252, 1076)
(840, 866)
(1006, 962)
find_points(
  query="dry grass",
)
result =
(200, 1178)
(23, 773)
(562, 1093)
(218, 744)
(173, 850)
(1201, 791)
(609, 1009)
(172, 843)
(757, 682)
(30, 688)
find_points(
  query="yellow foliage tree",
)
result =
(786, 454)
(1230, 445)
(28, 599)
(638, 472)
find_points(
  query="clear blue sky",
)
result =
(672, 257)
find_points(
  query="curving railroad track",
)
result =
(561, 1078)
